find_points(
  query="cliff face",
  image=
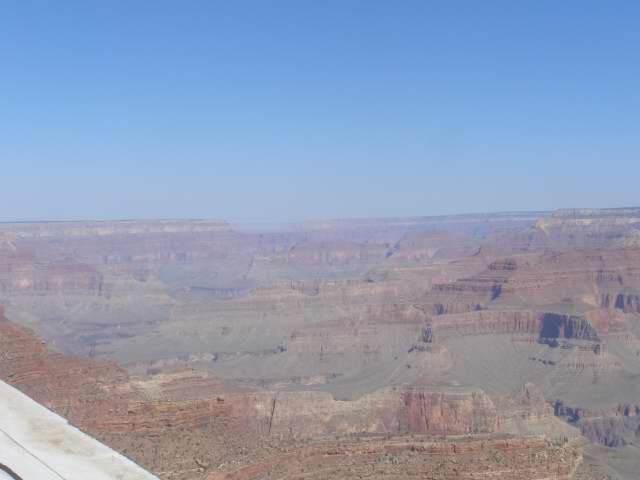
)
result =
(82, 390)
(97, 396)
(388, 411)
(485, 322)
(579, 276)
(615, 426)
(627, 302)
(544, 326)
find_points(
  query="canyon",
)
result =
(502, 345)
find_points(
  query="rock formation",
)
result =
(204, 349)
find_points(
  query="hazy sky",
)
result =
(275, 110)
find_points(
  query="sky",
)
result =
(287, 110)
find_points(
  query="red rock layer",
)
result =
(462, 459)
(80, 389)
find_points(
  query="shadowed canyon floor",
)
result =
(460, 347)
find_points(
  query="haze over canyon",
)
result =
(452, 347)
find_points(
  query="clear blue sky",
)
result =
(275, 110)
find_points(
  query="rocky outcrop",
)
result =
(472, 293)
(401, 457)
(485, 322)
(554, 326)
(611, 432)
(392, 410)
(82, 390)
(528, 403)
(616, 426)
(627, 302)
(447, 412)
(575, 277)
(545, 325)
